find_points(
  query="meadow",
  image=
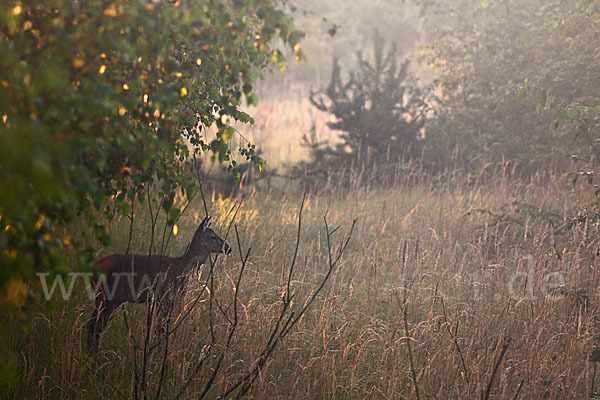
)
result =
(451, 287)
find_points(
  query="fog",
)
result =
(300, 199)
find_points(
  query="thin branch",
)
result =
(165, 245)
(197, 169)
(232, 328)
(150, 307)
(498, 361)
(592, 391)
(410, 354)
(453, 337)
(131, 224)
(163, 367)
(287, 292)
(518, 390)
(284, 324)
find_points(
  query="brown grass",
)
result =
(471, 268)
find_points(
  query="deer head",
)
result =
(207, 241)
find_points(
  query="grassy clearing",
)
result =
(473, 268)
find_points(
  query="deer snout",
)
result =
(226, 249)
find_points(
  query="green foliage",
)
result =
(379, 109)
(100, 99)
(582, 124)
(485, 54)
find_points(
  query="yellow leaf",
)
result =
(175, 229)
(68, 240)
(17, 10)
(122, 111)
(16, 292)
(78, 62)
(227, 134)
(102, 69)
(110, 11)
(40, 222)
(198, 61)
(225, 119)
(183, 92)
(125, 86)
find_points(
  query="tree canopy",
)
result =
(485, 52)
(99, 99)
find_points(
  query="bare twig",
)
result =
(592, 391)
(498, 361)
(453, 337)
(518, 390)
(287, 318)
(131, 217)
(232, 328)
(163, 367)
(199, 178)
(287, 292)
(410, 354)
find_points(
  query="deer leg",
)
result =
(165, 312)
(93, 338)
(97, 323)
(168, 309)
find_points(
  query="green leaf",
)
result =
(227, 134)
(574, 114)
(253, 73)
(252, 100)
(541, 97)
(95, 99)
(174, 213)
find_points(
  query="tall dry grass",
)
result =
(454, 287)
(457, 272)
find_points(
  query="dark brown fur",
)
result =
(131, 278)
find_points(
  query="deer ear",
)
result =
(205, 223)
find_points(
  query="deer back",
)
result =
(132, 277)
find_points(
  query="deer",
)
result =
(140, 278)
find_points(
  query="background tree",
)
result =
(486, 55)
(379, 110)
(100, 100)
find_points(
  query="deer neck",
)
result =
(193, 258)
